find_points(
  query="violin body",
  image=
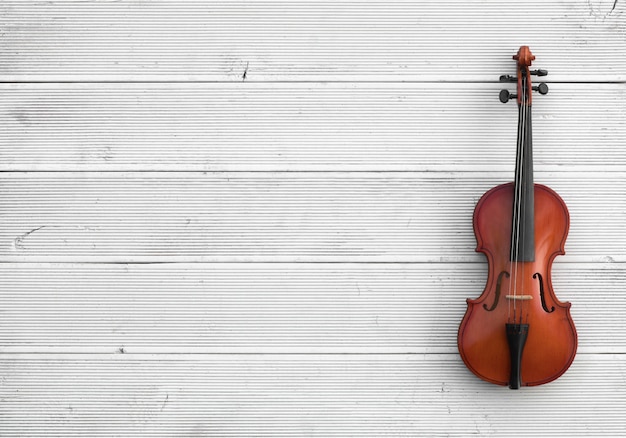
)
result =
(551, 340)
(517, 332)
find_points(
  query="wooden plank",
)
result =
(303, 127)
(299, 395)
(289, 217)
(304, 40)
(371, 169)
(274, 308)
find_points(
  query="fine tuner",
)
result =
(542, 88)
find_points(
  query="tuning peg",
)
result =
(539, 72)
(542, 88)
(505, 96)
(508, 78)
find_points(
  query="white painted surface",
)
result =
(287, 395)
(315, 126)
(190, 252)
(308, 40)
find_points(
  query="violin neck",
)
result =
(523, 226)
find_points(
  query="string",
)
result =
(523, 202)
(519, 206)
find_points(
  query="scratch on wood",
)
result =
(245, 72)
(598, 14)
(18, 242)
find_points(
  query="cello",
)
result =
(517, 332)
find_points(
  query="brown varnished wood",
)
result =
(524, 60)
(552, 340)
(517, 332)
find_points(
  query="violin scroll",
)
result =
(524, 59)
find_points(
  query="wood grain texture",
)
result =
(304, 127)
(260, 217)
(274, 308)
(297, 395)
(243, 218)
(303, 40)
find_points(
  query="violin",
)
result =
(517, 332)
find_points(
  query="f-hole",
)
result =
(538, 276)
(498, 286)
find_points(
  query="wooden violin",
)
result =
(517, 332)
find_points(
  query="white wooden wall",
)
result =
(254, 218)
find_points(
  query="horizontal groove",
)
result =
(321, 127)
(268, 308)
(325, 41)
(390, 81)
(165, 395)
